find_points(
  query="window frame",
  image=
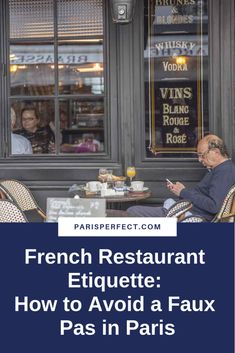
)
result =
(110, 108)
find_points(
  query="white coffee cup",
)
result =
(137, 185)
(93, 186)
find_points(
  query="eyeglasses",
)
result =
(202, 155)
(28, 119)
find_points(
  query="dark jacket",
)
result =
(208, 195)
(40, 140)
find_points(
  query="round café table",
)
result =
(117, 213)
(117, 202)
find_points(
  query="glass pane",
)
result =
(32, 69)
(35, 122)
(81, 68)
(176, 77)
(82, 125)
(80, 18)
(31, 19)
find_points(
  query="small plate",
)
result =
(124, 188)
(91, 192)
(138, 191)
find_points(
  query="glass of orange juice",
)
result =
(131, 172)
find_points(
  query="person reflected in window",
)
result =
(42, 138)
(64, 125)
(88, 145)
(64, 122)
(19, 144)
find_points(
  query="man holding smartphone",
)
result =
(208, 195)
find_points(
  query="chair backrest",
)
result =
(18, 193)
(179, 208)
(227, 211)
(10, 213)
(193, 219)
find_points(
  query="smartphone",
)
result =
(170, 182)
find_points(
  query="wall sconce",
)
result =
(13, 68)
(181, 60)
(122, 11)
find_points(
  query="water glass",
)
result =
(109, 176)
(103, 174)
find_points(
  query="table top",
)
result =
(117, 213)
(127, 197)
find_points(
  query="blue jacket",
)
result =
(208, 195)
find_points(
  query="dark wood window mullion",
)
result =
(106, 114)
(6, 87)
(56, 99)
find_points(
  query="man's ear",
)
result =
(217, 151)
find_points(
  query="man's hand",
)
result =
(176, 188)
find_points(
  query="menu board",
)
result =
(176, 56)
(71, 207)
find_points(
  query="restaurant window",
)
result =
(56, 68)
(175, 76)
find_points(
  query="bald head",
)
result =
(212, 151)
(214, 142)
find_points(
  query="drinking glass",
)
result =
(131, 172)
(103, 174)
(110, 176)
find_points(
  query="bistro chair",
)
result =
(193, 219)
(19, 194)
(227, 210)
(179, 209)
(10, 213)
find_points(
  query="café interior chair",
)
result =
(179, 209)
(10, 213)
(20, 195)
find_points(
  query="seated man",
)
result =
(208, 195)
(19, 144)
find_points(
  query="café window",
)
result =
(175, 76)
(56, 69)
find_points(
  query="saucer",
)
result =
(124, 188)
(138, 191)
(91, 192)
